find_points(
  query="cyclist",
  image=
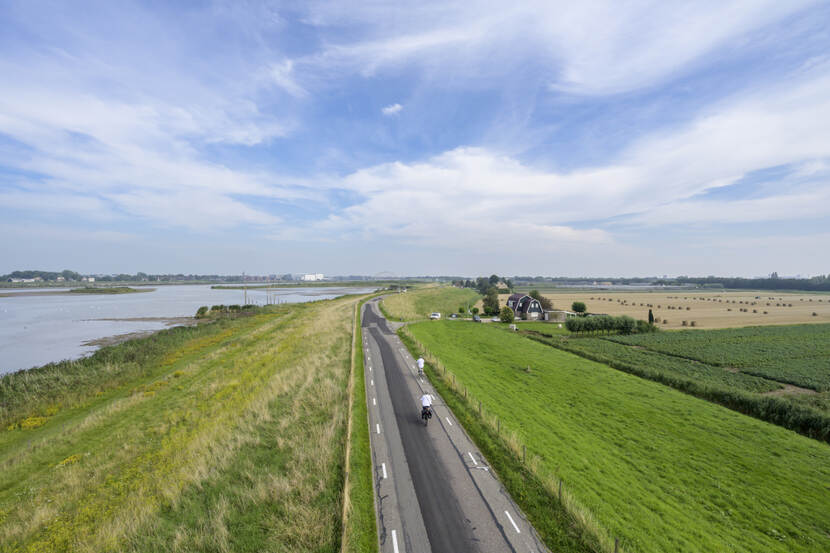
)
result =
(426, 407)
(420, 366)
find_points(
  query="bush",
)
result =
(475, 310)
(578, 307)
(202, 312)
(506, 315)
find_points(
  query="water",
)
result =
(35, 330)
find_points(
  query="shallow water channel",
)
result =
(35, 330)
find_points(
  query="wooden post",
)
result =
(498, 426)
(479, 408)
(560, 491)
(524, 452)
(616, 545)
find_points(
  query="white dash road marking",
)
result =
(377, 426)
(448, 420)
(473, 459)
(395, 541)
(513, 523)
(374, 401)
(383, 465)
(372, 382)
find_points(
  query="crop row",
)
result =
(796, 354)
(736, 391)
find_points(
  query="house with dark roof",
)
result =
(525, 307)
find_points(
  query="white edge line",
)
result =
(473, 459)
(448, 420)
(513, 523)
(377, 426)
(395, 541)
(383, 466)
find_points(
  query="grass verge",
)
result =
(359, 527)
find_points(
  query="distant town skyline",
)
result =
(441, 138)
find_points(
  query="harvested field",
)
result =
(715, 309)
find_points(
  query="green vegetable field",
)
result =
(797, 354)
(660, 469)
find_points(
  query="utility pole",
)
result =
(245, 287)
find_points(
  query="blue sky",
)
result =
(467, 138)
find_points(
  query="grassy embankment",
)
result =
(659, 469)
(411, 306)
(226, 437)
(738, 374)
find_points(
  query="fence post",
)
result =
(616, 545)
(524, 452)
(560, 491)
(479, 408)
(498, 426)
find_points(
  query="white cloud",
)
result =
(471, 196)
(394, 109)
(588, 48)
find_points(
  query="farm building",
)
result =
(525, 307)
(557, 315)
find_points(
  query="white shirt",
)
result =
(420, 362)
(426, 400)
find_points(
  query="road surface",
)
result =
(435, 492)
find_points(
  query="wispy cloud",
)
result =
(394, 109)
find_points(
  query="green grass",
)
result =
(229, 437)
(418, 304)
(660, 469)
(360, 534)
(796, 354)
(681, 368)
(108, 290)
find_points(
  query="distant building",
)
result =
(60, 279)
(312, 277)
(525, 307)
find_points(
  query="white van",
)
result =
(435, 316)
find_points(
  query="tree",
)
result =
(491, 302)
(626, 325)
(547, 305)
(506, 315)
(462, 309)
(494, 279)
(650, 317)
(578, 307)
(475, 310)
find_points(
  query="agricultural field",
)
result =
(709, 309)
(798, 355)
(660, 469)
(226, 437)
(419, 303)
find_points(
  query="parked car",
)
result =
(495, 319)
(454, 316)
(435, 316)
(476, 319)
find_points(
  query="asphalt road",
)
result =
(435, 492)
